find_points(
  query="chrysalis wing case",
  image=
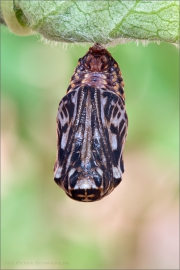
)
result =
(91, 128)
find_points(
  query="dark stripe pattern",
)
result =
(90, 143)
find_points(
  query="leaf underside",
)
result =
(101, 21)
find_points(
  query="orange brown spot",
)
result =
(116, 87)
(122, 83)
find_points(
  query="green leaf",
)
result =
(99, 21)
(8, 16)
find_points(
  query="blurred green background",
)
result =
(137, 225)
